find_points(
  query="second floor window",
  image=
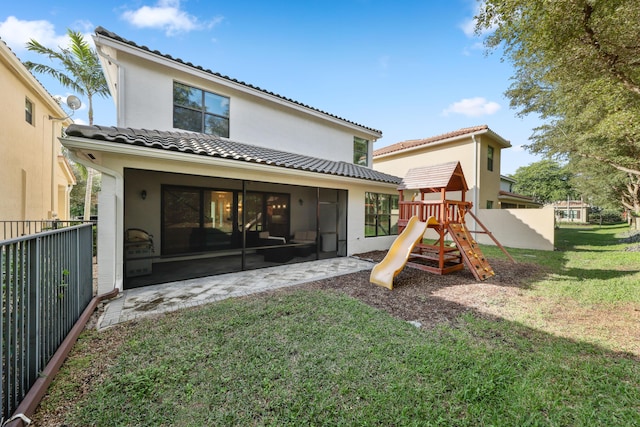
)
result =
(360, 151)
(28, 111)
(490, 158)
(200, 111)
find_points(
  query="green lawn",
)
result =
(319, 358)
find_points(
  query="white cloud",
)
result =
(468, 27)
(167, 15)
(472, 107)
(16, 33)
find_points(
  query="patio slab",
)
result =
(155, 299)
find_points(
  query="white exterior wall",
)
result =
(203, 171)
(255, 117)
(141, 83)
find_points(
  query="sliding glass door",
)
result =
(205, 220)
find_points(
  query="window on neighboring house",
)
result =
(200, 111)
(28, 111)
(490, 158)
(360, 151)
(381, 214)
(489, 204)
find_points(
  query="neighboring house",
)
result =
(572, 211)
(508, 199)
(226, 176)
(35, 178)
(476, 148)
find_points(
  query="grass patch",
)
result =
(313, 358)
(590, 266)
(321, 358)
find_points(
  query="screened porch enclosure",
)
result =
(202, 226)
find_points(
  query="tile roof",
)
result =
(404, 145)
(434, 178)
(106, 33)
(515, 195)
(212, 146)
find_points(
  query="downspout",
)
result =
(28, 405)
(54, 158)
(118, 257)
(118, 86)
(476, 175)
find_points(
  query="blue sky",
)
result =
(412, 68)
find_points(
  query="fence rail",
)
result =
(47, 281)
(13, 229)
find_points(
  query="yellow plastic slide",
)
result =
(395, 260)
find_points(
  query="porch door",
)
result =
(332, 208)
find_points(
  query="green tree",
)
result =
(79, 71)
(546, 181)
(576, 66)
(605, 186)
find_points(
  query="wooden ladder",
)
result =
(471, 254)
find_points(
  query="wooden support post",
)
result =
(492, 237)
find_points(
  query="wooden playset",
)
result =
(449, 215)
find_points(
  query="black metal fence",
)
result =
(47, 281)
(13, 229)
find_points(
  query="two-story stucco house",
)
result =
(224, 175)
(35, 178)
(476, 148)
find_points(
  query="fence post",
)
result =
(33, 327)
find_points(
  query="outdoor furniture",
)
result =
(276, 249)
(306, 241)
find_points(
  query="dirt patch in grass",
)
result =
(432, 299)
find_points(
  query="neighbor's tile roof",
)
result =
(515, 195)
(106, 33)
(212, 146)
(404, 145)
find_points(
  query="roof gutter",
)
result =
(139, 151)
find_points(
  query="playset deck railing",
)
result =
(445, 211)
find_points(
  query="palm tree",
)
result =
(81, 72)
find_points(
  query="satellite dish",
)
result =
(73, 102)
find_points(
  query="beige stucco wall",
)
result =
(519, 228)
(29, 152)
